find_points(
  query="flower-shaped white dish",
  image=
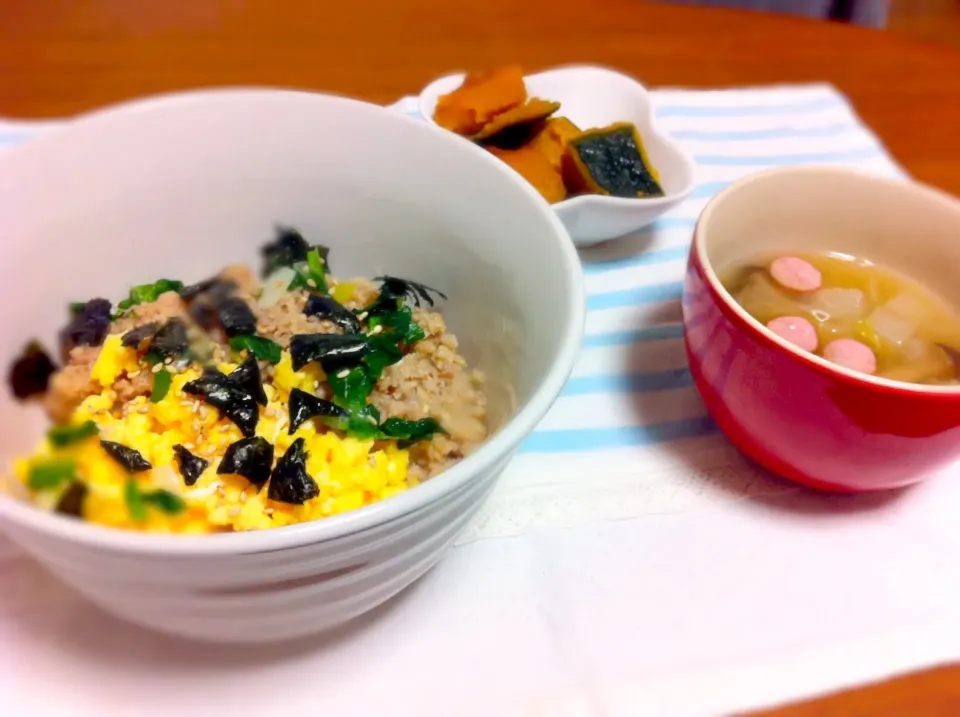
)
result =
(594, 97)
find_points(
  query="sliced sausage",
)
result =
(796, 274)
(851, 354)
(795, 329)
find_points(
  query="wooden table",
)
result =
(59, 58)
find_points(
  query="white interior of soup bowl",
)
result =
(902, 226)
(183, 185)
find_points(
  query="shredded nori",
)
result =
(232, 400)
(31, 372)
(71, 501)
(304, 406)
(236, 318)
(394, 291)
(290, 482)
(247, 377)
(171, 340)
(87, 327)
(251, 458)
(333, 351)
(135, 338)
(203, 314)
(289, 248)
(325, 307)
(191, 466)
(131, 459)
(215, 289)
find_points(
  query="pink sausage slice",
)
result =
(795, 329)
(851, 354)
(796, 274)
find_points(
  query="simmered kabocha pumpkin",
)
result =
(610, 161)
(551, 139)
(533, 110)
(481, 97)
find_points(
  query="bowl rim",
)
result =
(811, 360)
(668, 199)
(504, 441)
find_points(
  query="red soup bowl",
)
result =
(793, 412)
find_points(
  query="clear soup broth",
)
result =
(854, 313)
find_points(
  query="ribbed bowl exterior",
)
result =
(267, 596)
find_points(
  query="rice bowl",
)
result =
(244, 160)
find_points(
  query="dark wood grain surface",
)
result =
(59, 57)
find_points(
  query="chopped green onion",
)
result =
(410, 432)
(351, 391)
(60, 436)
(263, 348)
(134, 499)
(164, 500)
(147, 293)
(161, 385)
(51, 474)
(313, 277)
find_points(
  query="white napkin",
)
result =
(629, 562)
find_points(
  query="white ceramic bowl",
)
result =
(594, 97)
(184, 184)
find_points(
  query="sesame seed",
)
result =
(196, 406)
(196, 427)
(142, 409)
(270, 413)
(133, 374)
(372, 420)
(156, 368)
(316, 385)
(344, 373)
(234, 511)
(311, 283)
(243, 496)
(167, 362)
(362, 315)
(377, 329)
(189, 446)
(186, 404)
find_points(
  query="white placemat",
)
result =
(630, 562)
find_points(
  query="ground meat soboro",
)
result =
(430, 384)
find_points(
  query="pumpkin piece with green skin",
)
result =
(610, 161)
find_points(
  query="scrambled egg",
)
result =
(350, 473)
